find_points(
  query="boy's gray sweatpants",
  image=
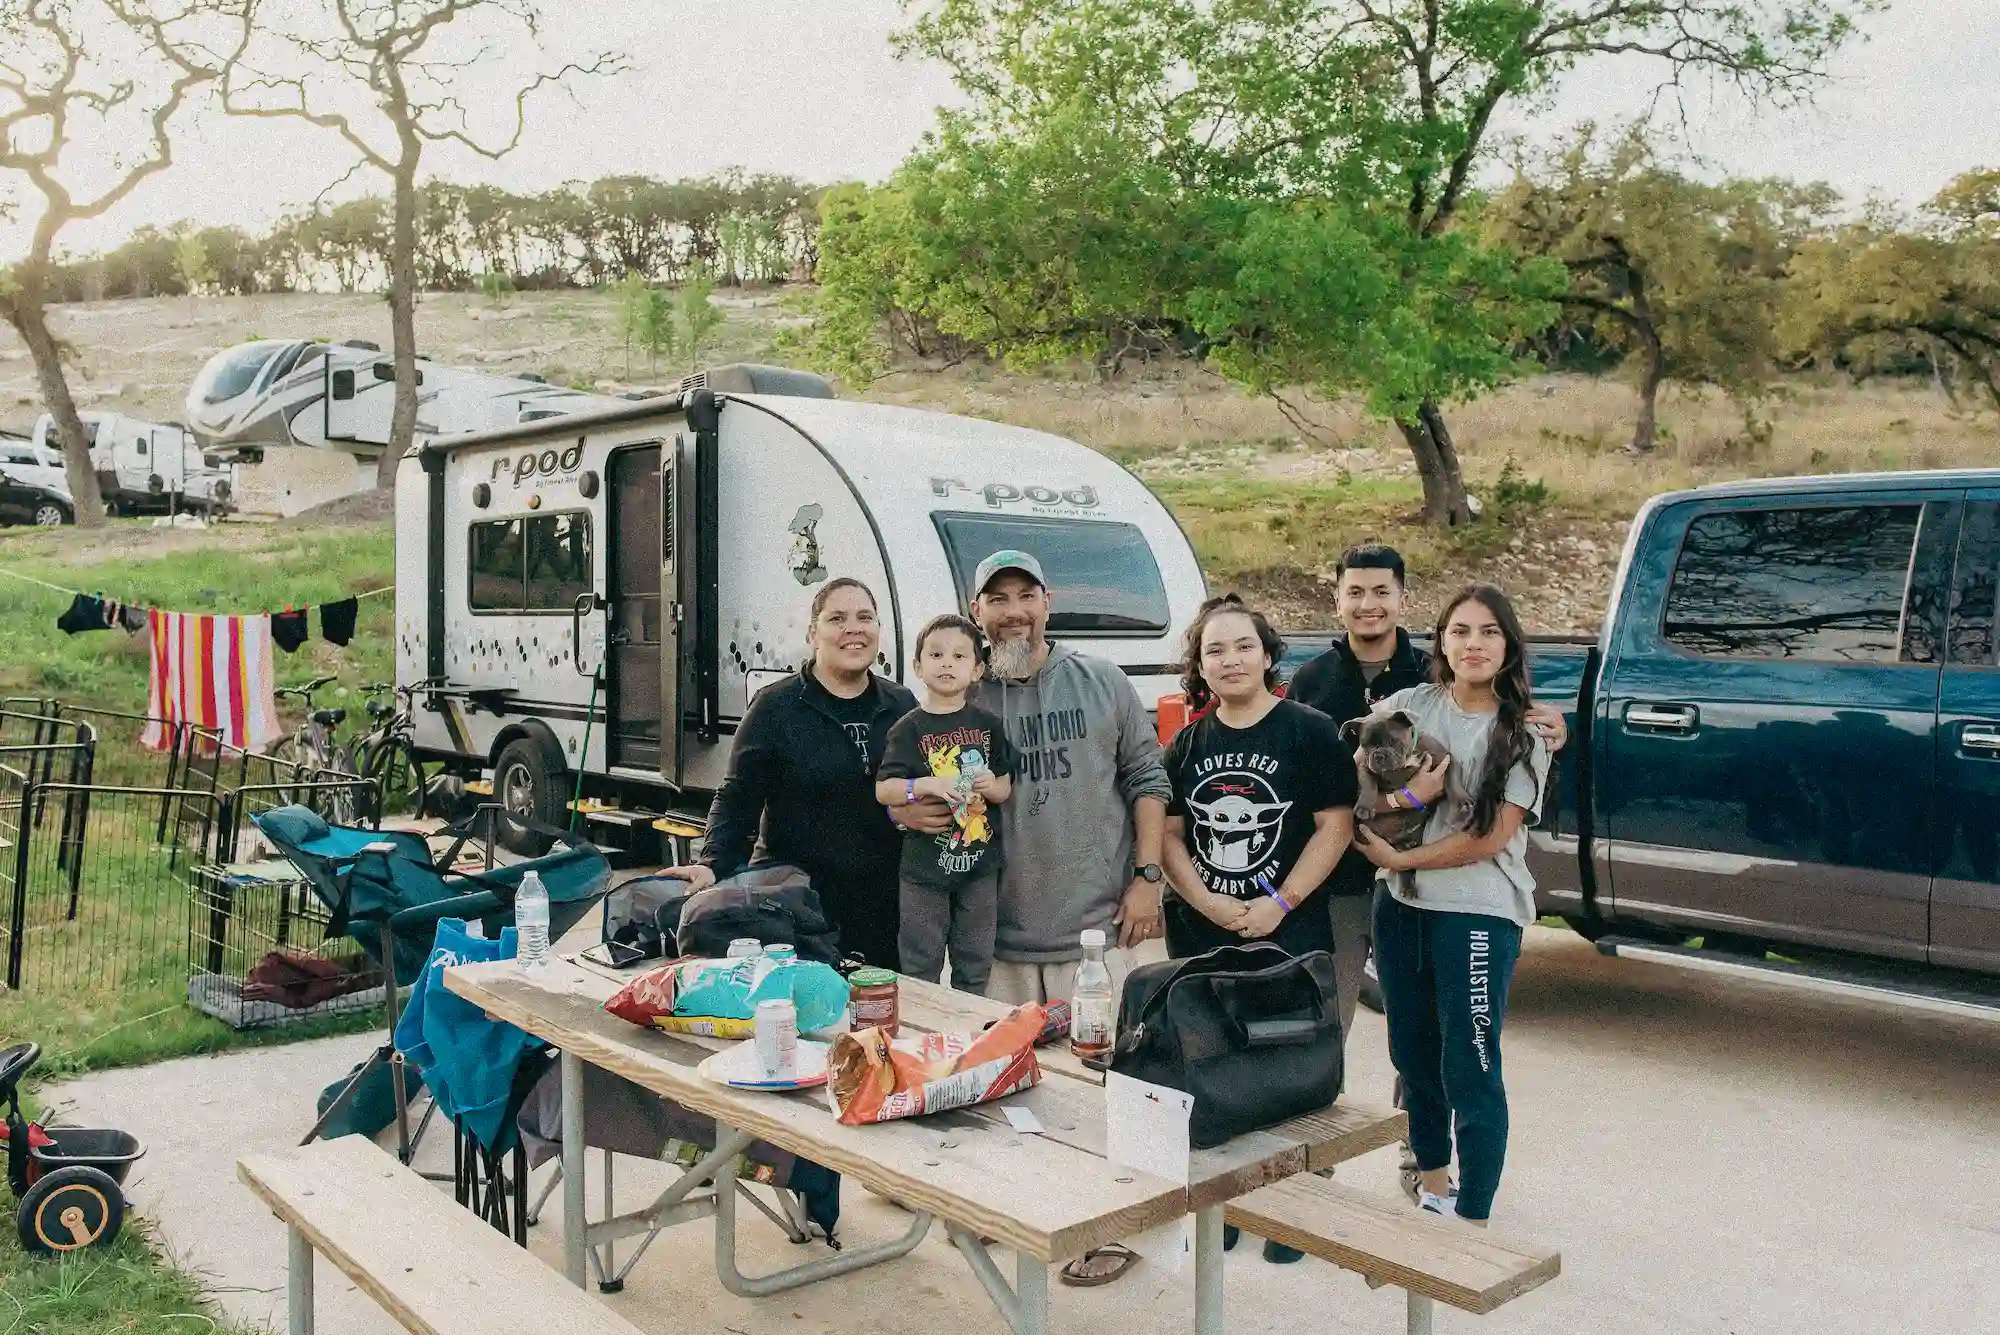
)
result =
(961, 919)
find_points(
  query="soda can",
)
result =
(778, 1038)
(781, 953)
(745, 948)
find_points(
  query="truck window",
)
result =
(1975, 595)
(1105, 579)
(1810, 583)
(535, 565)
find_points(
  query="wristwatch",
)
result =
(1150, 872)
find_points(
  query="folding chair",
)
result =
(384, 889)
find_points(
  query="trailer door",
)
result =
(640, 683)
(359, 402)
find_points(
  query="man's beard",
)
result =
(1013, 659)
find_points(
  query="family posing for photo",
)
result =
(1026, 800)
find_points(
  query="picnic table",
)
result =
(1050, 1197)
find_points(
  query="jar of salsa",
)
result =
(872, 1000)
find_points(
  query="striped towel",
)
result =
(212, 672)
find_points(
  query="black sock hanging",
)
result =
(85, 613)
(288, 628)
(336, 620)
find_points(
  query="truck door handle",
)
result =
(1673, 718)
(1980, 737)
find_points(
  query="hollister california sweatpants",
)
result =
(1444, 988)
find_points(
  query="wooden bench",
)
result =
(434, 1267)
(1386, 1241)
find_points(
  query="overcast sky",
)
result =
(810, 87)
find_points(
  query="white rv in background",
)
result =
(313, 394)
(145, 467)
(604, 592)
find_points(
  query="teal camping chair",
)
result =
(384, 889)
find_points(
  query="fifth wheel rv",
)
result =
(601, 594)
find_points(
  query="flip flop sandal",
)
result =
(1125, 1257)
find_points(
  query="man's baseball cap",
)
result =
(1001, 561)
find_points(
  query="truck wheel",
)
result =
(525, 786)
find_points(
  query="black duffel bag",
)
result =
(775, 904)
(1251, 1031)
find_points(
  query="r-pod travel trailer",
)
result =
(604, 592)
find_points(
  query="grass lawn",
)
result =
(128, 1290)
(121, 994)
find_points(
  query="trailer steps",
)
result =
(1970, 996)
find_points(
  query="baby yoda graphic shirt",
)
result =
(954, 747)
(1248, 797)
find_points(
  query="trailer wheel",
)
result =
(524, 784)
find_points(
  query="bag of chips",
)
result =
(718, 998)
(874, 1078)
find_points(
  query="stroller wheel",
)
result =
(70, 1209)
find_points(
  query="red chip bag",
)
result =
(873, 1078)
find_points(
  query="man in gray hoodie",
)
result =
(1080, 838)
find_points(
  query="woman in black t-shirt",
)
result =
(1263, 797)
(1263, 805)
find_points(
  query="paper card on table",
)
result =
(1022, 1120)
(1146, 1127)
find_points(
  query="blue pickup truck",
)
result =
(1785, 752)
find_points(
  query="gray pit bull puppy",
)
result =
(1388, 751)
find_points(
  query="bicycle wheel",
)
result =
(287, 771)
(399, 779)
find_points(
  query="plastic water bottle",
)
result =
(1093, 1009)
(531, 922)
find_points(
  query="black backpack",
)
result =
(776, 904)
(1252, 1031)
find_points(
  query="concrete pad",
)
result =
(1710, 1156)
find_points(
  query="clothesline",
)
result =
(57, 588)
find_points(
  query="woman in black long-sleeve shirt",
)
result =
(801, 785)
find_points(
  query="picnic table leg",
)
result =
(299, 1288)
(762, 1286)
(1417, 1309)
(1031, 1292)
(574, 1225)
(1208, 1258)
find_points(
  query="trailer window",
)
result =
(1825, 584)
(558, 562)
(1102, 576)
(540, 564)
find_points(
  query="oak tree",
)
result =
(386, 77)
(87, 95)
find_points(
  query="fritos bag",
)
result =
(873, 1078)
(718, 998)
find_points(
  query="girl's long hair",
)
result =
(1510, 742)
(1199, 695)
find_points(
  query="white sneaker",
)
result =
(1444, 1205)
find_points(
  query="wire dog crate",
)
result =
(258, 950)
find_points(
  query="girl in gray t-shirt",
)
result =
(1447, 936)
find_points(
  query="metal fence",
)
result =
(95, 903)
(125, 889)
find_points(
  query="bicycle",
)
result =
(316, 761)
(387, 753)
